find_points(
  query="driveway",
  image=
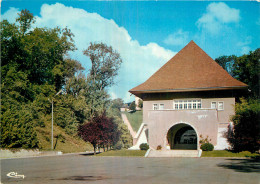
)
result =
(90, 169)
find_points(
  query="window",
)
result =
(155, 106)
(187, 104)
(213, 105)
(161, 107)
(220, 105)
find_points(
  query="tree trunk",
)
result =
(94, 145)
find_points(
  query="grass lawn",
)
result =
(135, 118)
(225, 153)
(123, 153)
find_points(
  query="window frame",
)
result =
(187, 104)
(222, 105)
(157, 108)
(160, 106)
(216, 103)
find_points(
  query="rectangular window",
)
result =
(199, 105)
(187, 104)
(155, 106)
(161, 107)
(220, 105)
(213, 105)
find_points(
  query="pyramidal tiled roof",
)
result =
(191, 69)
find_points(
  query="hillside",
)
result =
(135, 118)
(65, 143)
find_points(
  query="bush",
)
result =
(118, 145)
(144, 146)
(207, 147)
(245, 135)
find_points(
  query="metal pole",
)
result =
(52, 124)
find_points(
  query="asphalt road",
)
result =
(88, 169)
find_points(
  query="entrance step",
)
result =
(174, 153)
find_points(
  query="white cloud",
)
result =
(179, 38)
(10, 14)
(244, 45)
(139, 61)
(113, 95)
(217, 15)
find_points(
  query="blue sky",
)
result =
(148, 33)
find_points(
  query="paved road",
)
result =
(88, 169)
(132, 132)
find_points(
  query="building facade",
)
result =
(188, 99)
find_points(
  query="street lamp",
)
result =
(52, 120)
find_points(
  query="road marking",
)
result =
(14, 175)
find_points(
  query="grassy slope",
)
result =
(224, 153)
(69, 144)
(135, 119)
(123, 153)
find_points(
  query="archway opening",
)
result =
(182, 137)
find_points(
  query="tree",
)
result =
(25, 20)
(34, 66)
(227, 63)
(140, 103)
(245, 68)
(246, 133)
(105, 65)
(100, 130)
(132, 106)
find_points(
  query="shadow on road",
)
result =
(89, 153)
(242, 165)
(83, 178)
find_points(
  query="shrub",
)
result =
(132, 106)
(144, 146)
(118, 145)
(245, 135)
(207, 147)
(159, 147)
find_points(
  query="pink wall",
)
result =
(203, 121)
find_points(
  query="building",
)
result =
(189, 98)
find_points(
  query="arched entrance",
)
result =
(182, 136)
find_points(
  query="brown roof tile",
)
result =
(191, 69)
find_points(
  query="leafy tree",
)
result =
(245, 68)
(227, 63)
(117, 103)
(25, 19)
(140, 103)
(105, 65)
(132, 106)
(34, 67)
(101, 130)
(246, 133)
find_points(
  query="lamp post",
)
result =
(52, 120)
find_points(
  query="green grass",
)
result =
(69, 143)
(135, 118)
(123, 153)
(225, 153)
